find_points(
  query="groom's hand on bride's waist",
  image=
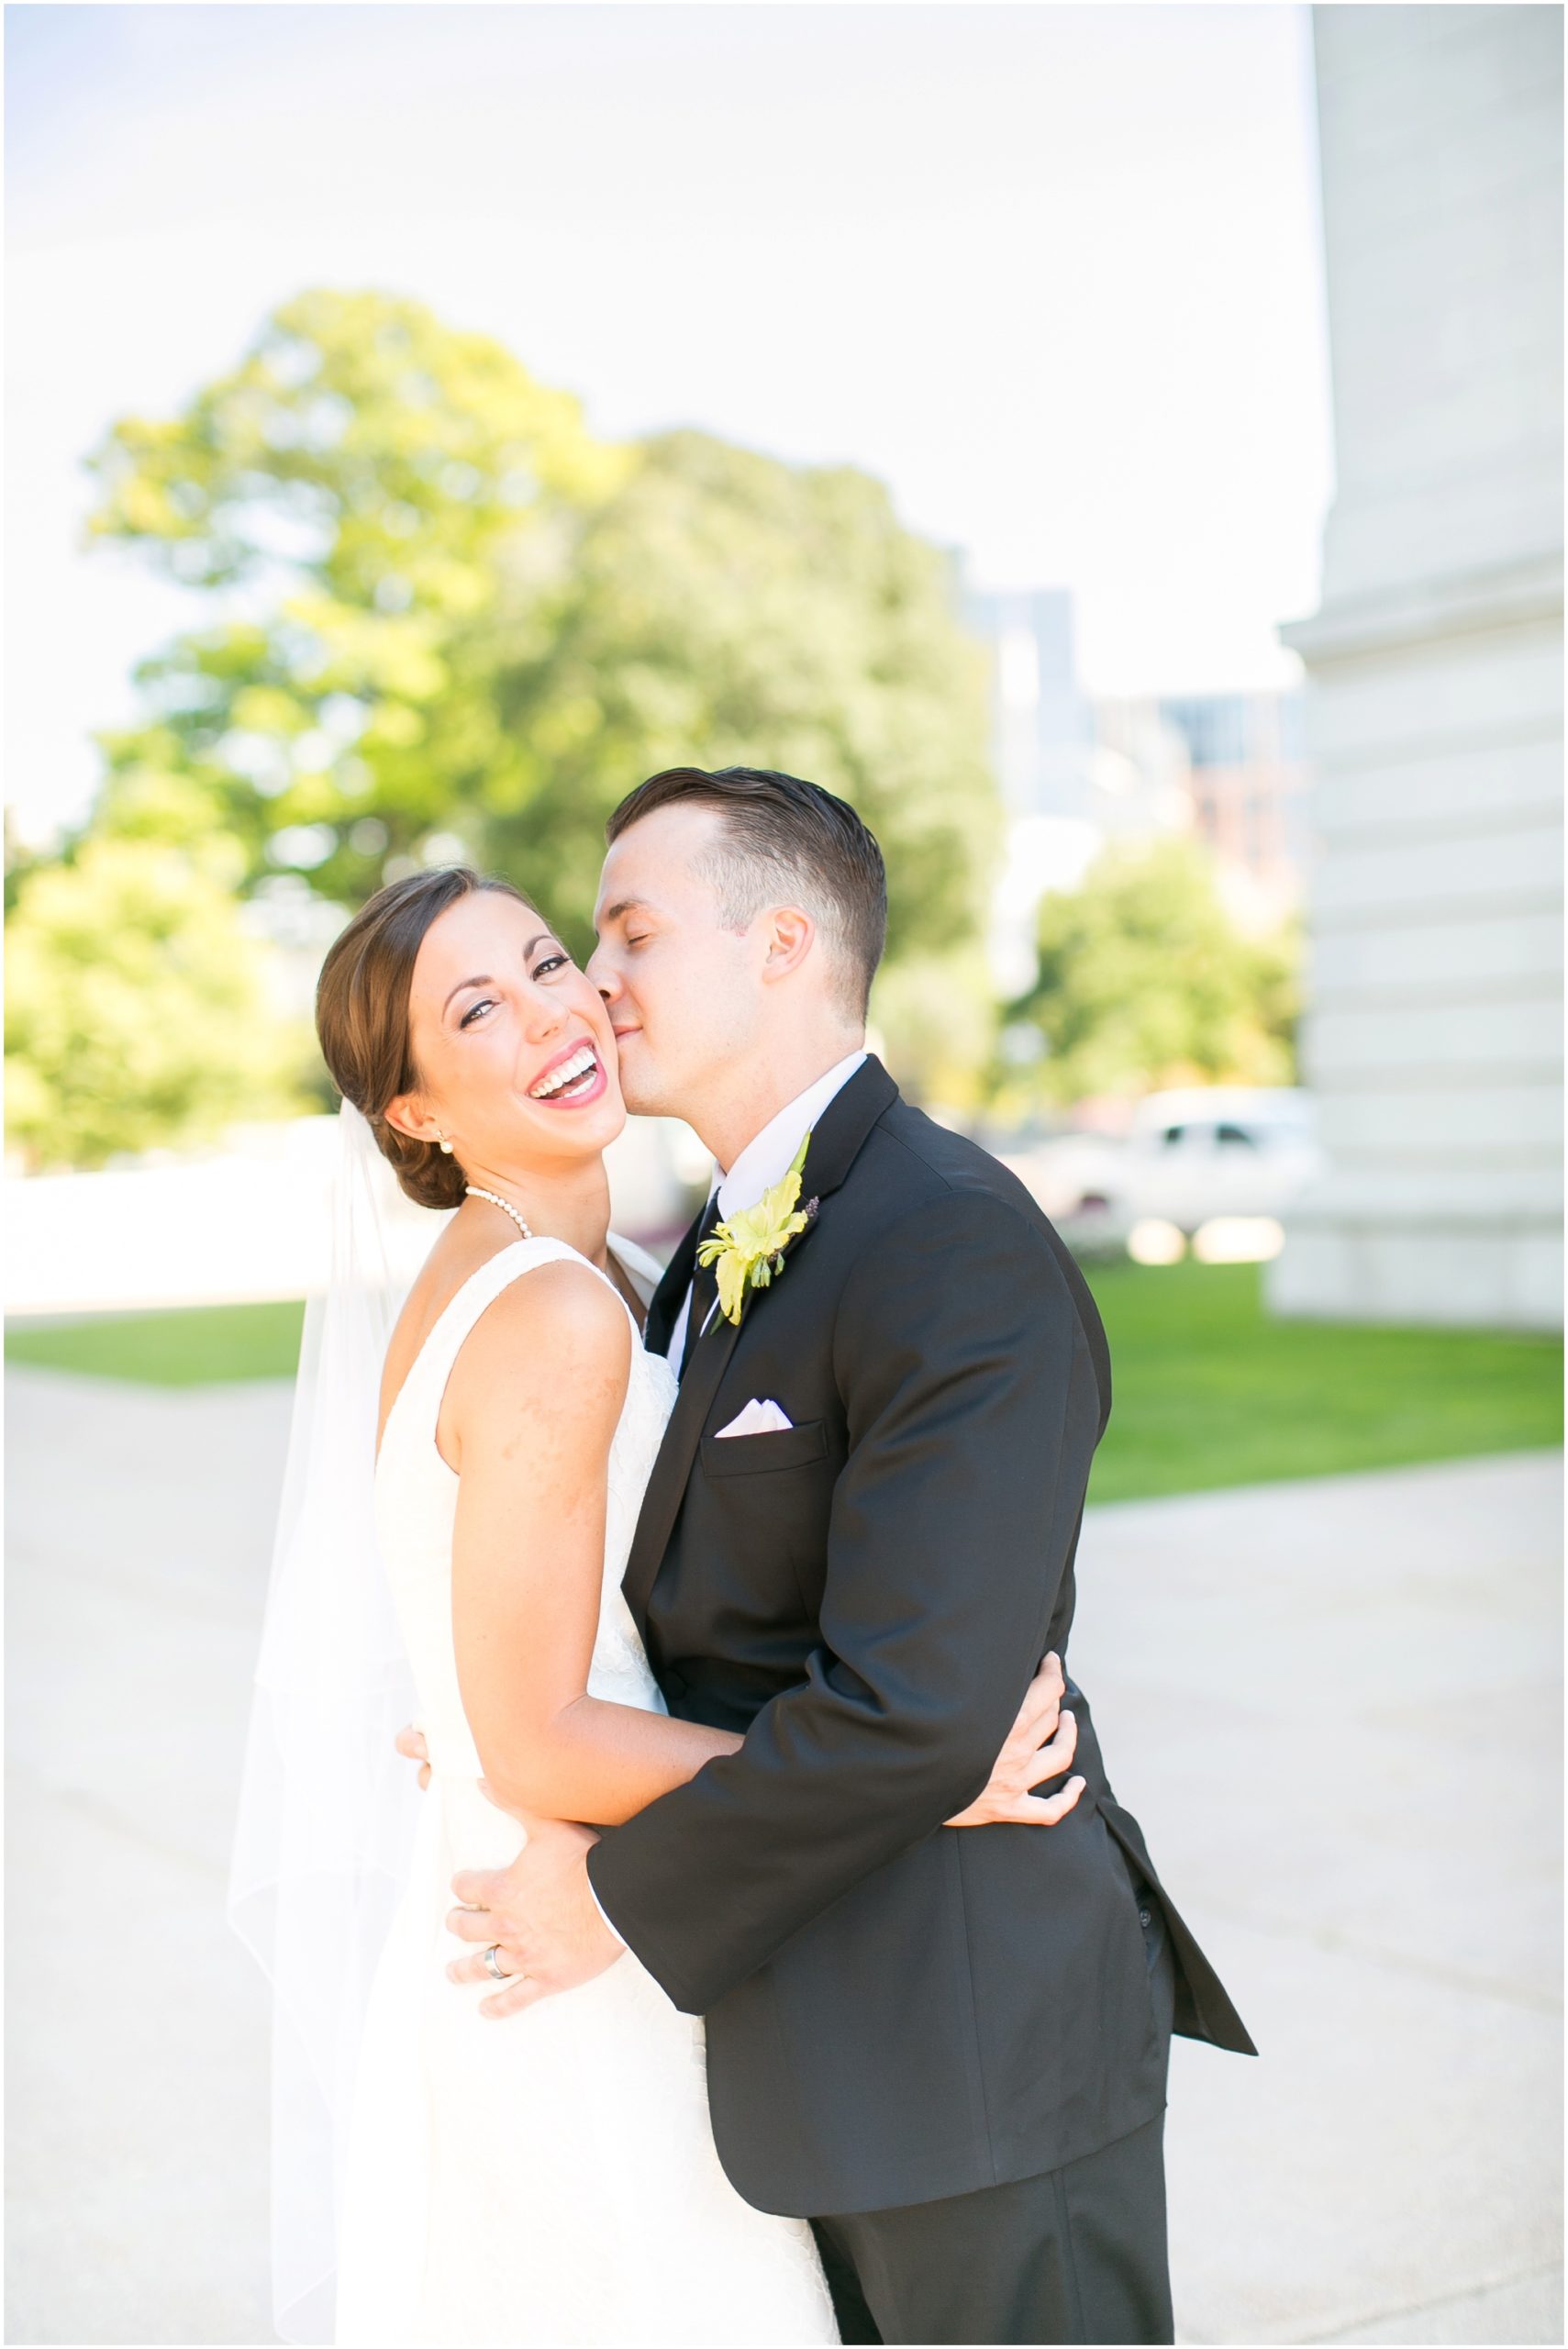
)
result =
(1040, 1745)
(539, 1916)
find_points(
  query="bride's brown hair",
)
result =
(362, 1016)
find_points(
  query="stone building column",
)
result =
(1433, 1042)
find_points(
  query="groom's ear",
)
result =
(788, 937)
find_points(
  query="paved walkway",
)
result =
(1334, 1705)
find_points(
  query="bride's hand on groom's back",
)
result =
(1041, 1744)
(411, 1744)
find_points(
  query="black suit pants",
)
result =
(1075, 2255)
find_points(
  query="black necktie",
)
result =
(705, 1286)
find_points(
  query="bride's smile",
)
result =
(575, 1077)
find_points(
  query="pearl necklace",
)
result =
(504, 1205)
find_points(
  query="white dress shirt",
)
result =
(765, 1160)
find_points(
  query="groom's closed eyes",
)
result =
(618, 912)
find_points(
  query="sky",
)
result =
(1052, 274)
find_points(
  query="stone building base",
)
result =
(1447, 1270)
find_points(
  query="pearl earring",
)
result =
(445, 1144)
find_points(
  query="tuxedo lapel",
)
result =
(666, 1299)
(836, 1142)
(667, 1485)
(842, 1130)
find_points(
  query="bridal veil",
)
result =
(327, 1807)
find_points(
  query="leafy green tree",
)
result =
(449, 622)
(1145, 980)
(137, 1011)
(723, 608)
(348, 496)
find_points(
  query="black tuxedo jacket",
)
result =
(896, 2010)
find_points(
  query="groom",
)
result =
(947, 2048)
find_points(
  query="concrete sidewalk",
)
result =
(1333, 1704)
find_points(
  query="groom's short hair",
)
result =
(784, 838)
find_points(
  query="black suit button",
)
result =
(1144, 1917)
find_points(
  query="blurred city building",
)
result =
(1247, 786)
(1433, 1040)
(1076, 770)
(1042, 728)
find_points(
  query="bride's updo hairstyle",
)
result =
(361, 1017)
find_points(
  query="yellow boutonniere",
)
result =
(749, 1248)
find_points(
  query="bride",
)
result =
(549, 2178)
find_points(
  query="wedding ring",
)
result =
(491, 1954)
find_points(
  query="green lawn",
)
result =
(191, 1349)
(1209, 1389)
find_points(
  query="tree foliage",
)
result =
(1145, 980)
(349, 496)
(446, 620)
(136, 1007)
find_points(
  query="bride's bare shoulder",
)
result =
(563, 1314)
(561, 1328)
(547, 1363)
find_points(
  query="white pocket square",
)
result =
(757, 1418)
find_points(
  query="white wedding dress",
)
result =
(551, 2178)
